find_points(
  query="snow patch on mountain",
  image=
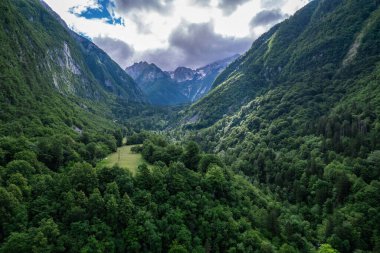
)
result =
(192, 84)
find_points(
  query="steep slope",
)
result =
(295, 169)
(300, 115)
(156, 84)
(106, 72)
(195, 84)
(312, 45)
(52, 99)
(46, 72)
(56, 99)
(183, 85)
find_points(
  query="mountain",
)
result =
(56, 84)
(299, 115)
(296, 52)
(60, 102)
(106, 72)
(156, 84)
(146, 73)
(49, 71)
(197, 83)
(183, 85)
(281, 156)
(182, 74)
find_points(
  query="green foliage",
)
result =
(289, 159)
(82, 209)
(299, 115)
(137, 138)
(191, 155)
(326, 248)
(178, 249)
(208, 160)
(304, 57)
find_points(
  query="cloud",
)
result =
(126, 6)
(172, 33)
(267, 17)
(118, 50)
(195, 45)
(229, 6)
(272, 3)
(84, 5)
(201, 2)
(166, 59)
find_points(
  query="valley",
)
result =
(276, 150)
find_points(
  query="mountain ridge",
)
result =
(282, 156)
(272, 59)
(299, 119)
(108, 73)
(184, 85)
(48, 70)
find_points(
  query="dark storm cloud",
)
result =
(125, 6)
(194, 45)
(267, 17)
(117, 49)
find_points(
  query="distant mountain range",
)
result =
(183, 85)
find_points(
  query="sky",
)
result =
(173, 33)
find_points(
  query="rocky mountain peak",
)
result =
(182, 74)
(187, 83)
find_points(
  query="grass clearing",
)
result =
(124, 158)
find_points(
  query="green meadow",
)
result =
(124, 158)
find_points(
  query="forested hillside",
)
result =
(325, 42)
(51, 76)
(282, 156)
(56, 83)
(299, 114)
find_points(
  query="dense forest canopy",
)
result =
(283, 155)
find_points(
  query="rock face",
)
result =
(183, 85)
(78, 67)
(146, 73)
(53, 78)
(183, 74)
(156, 84)
(195, 84)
